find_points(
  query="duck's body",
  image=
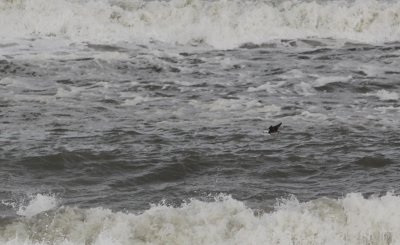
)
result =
(274, 129)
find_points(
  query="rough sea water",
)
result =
(145, 122)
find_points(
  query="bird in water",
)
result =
(274, 129)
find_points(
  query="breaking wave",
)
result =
(352, 219)
(221, 24)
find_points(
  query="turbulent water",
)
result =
(145, 122)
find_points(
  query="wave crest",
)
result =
(350, 220)
(221, 24)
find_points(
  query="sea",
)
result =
(146, 122)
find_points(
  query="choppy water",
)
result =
(144, 122)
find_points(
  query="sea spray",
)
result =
(349, 220)
(221, 24)
(37, 203)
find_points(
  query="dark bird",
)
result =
(274, 129)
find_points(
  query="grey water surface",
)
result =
(123, 126)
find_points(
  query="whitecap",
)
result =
(386, 95)
(220, 24)
(38, 203)
(352, 219)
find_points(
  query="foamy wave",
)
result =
(38, 203)
(386, 95)
(222, 24)
(350, 220)
(322, 81)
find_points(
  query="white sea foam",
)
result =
(7, 81)
(314, 116)
(226, 105)
(245, 105)
(322, 81)
(349, 220)
(386, 95)
(37, 204)
(270, 87)
(137, 99)
(304, 88)
(222, 24)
